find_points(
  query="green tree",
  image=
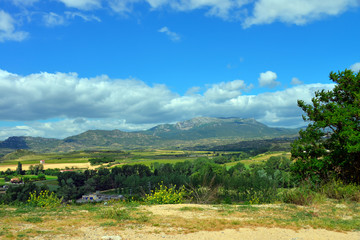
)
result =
(330, 145)
(19, 170)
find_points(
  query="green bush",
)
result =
(300, 196)
(165, 195)
(338, 190)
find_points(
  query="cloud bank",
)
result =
(63, 104)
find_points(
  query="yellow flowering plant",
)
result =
(165, 195)
(44, 199)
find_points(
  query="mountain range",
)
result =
(204, 131)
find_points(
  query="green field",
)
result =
(146, 157)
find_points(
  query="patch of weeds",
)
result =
(302, 215)
(142, 217)
(20, 235)
(191, 209)
(4, 231)
(250, 208)
(108, 224)
(225, 210)
(116, 213)
(33, 219)
(235, 222)
(22, 210)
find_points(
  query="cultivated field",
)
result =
(80, 159)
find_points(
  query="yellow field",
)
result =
(51, 165)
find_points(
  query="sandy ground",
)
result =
(259, 233)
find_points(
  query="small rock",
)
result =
(111, 238)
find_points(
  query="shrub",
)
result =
(299, 196)
(165, 195)
(44, 199)
(338, 190)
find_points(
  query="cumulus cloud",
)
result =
(267, 79)
(225, 90)
(355, 67)
(7, 29)
(296, 81)
(172, 35)
(130, 104)
(82, 4)
(297, 12)
(47, 95)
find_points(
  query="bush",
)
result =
(165, 195)
(338, 190)
(44, 199)
(299, 196)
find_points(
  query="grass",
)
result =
(261, 158)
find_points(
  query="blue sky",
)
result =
(67, 66)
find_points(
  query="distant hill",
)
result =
(202, 131)
(206, 127)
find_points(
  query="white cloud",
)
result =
(7, 29)
(355, 67)
(52, 19)
(24, 2)
(297, 12)
(224, 91)
(122, 6)
(267, 79)
(82, 4)
(85, 17)
(47, 95)
(172, 35)
(129, 104)
(68, 127)
(296, 81)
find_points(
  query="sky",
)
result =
(68, 66)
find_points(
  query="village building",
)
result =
(16, 181)
(98, 197)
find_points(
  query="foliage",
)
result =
(338, 190)
(44, 199)
(165, 195)
(300, 196)
(20, 193)
(97, 161)
(19, 170)
(330, 145)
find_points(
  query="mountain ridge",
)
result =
(200, 130)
